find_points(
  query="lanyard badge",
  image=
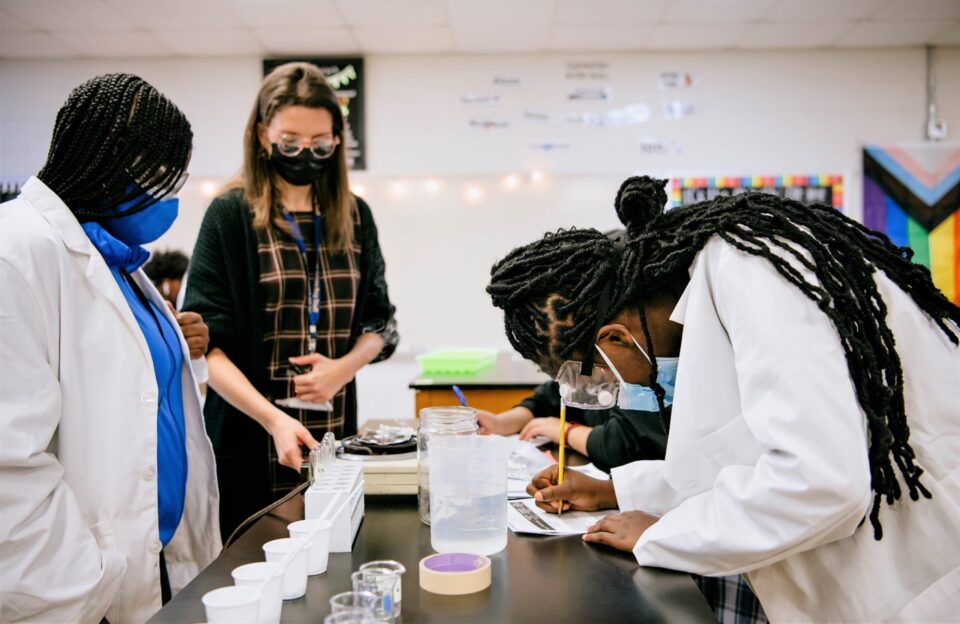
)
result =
(313, 286)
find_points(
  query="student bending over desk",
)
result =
(814, 441)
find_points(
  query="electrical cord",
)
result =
(256, 516)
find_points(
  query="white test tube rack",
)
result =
(345, 483)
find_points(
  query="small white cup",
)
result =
(295, 576)
(266, 577)
(319, 546)
(232, 605)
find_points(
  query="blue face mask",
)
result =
(640, 397)
(145, 226)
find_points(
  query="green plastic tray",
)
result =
(456, 361)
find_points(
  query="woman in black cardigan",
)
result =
(288, 275)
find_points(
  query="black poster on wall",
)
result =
(345, 75)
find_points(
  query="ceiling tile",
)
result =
(889, 34)
(950, 36)
(81, 15)
(491, 39)
(277, 14)
(823, 10)
(700, 12)
(795, 35)
(501, 13)
(614, 12)
(419, 13)
(404, 40)
(33, 45)
(9, 23)
(500, 25)
(695, 36)
(209, 42)
(308, 42)
(919, 10)
(115, 44)
(599, 38)
(169, 14)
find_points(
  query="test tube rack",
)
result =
(345, 480)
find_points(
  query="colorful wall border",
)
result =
(789, 186)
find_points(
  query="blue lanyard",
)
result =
(313, 290)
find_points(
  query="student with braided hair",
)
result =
(107, 480)
(814, 420)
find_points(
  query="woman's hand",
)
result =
(194, 331)
(547, 427)
(288, 435)
(578, 492)
(325, 379)
(620, 531)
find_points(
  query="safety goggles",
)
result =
(594, 391)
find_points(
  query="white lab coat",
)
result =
(79, 533)
(766, 469)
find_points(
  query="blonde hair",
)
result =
(297, 84)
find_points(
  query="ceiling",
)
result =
(205, 28)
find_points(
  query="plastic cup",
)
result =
(397, 567)
(319, 546)
(266, 577)
(353, 601)
(295, 576)
(232, 605)
(382, 583)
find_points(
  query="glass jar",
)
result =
(438, 421)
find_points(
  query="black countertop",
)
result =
(509, 371)
(535, 579)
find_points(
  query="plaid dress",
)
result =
(283, 283)
(731, 599)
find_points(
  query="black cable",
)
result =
(243, 525)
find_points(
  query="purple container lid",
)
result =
(455, 562)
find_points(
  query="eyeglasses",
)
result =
(319, 148)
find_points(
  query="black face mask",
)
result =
(300, 170)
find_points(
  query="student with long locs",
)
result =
(814, 430)
(288, 273)
(108, 493)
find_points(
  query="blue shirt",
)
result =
(164, 344)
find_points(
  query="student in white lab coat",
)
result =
(107, 480)
(814, 432)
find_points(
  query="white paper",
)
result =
(591, 471)
(295, 403)
(479, 98)
(526, 461)
(523, 516)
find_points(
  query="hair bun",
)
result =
(639, 200)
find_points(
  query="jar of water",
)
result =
(438, 421)
(468, 494)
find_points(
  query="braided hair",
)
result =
(116, 137)
(549, 291)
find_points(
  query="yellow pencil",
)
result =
(563, 437)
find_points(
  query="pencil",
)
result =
(563, 431)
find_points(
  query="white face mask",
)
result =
(638, 396)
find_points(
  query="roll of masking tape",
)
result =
(454, 574)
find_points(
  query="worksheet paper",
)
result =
(523, 516)
(517, 487)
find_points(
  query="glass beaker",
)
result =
(456, 421)
(468, 494)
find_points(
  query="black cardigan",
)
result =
(618, 437)
(223, 287)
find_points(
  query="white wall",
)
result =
(756, 113)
